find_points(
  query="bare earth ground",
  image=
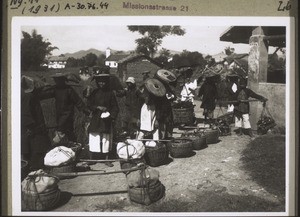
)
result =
(234, 175)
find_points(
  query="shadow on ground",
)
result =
(264, 160)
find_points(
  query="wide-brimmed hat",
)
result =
(27, 84)
(101, 71)
(155, 87)
(166, 75)
(130, 80)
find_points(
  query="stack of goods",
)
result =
(212, 135)
(182, 147)
(156, 153)
(40, 191)
(183, 112)
(60, 160)
(144, 186)
(132, 151)
(198, 139)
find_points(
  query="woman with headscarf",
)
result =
(103, 104)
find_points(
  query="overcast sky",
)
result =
(70, 39)
(71, 34)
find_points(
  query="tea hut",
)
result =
(260, 38)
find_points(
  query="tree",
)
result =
(152, 37)
(34, 50)
(164, 56)
(228, 50)
(101, 60)
(90, 59)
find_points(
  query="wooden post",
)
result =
(257, 68)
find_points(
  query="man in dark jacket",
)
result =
(66, 99)
(35, 142)
(242, 107)
(104, 106)
(133, 104)
(208, 93)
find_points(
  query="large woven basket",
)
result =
(68, 168)
(147, 195)
(33, 201)
(199, 141)
(180, 148)
(156, 156)
(183, 115)
(212, 135)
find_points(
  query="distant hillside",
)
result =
(82, 53)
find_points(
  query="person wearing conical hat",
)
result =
(104, 106)
(242, 108)
(164, 104)
(66, 99)
(35, 142)
(209, 95)
(133, 104)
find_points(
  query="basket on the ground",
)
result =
(156, 156)
(68, 168)
(212, 135)
(199, 140)
(183, 115)
(146, 195)
(34, 201)
(180, 147)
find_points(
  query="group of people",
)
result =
(147, 110)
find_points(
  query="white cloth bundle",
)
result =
(150, 144)
(39, 182)
(59, 156)
(130, 149)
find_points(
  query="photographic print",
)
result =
(150, 116)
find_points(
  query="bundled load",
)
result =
(144, 186)
(39, 191)
(130, 149)
(61, 159)
(59, 156)
(156, 153)
(265, 122)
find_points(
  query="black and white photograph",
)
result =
(151, 115)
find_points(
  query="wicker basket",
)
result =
(199, 141)
(69, 168)
(147, 195)
(33, 201)
(212, 136)
(180, 148)
(183, 115)
(156, 156)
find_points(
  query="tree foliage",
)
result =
(187, 59)
(228, 50)
(152, 37)
(164, 56)
(34, 50)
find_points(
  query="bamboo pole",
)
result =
(98, 173)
